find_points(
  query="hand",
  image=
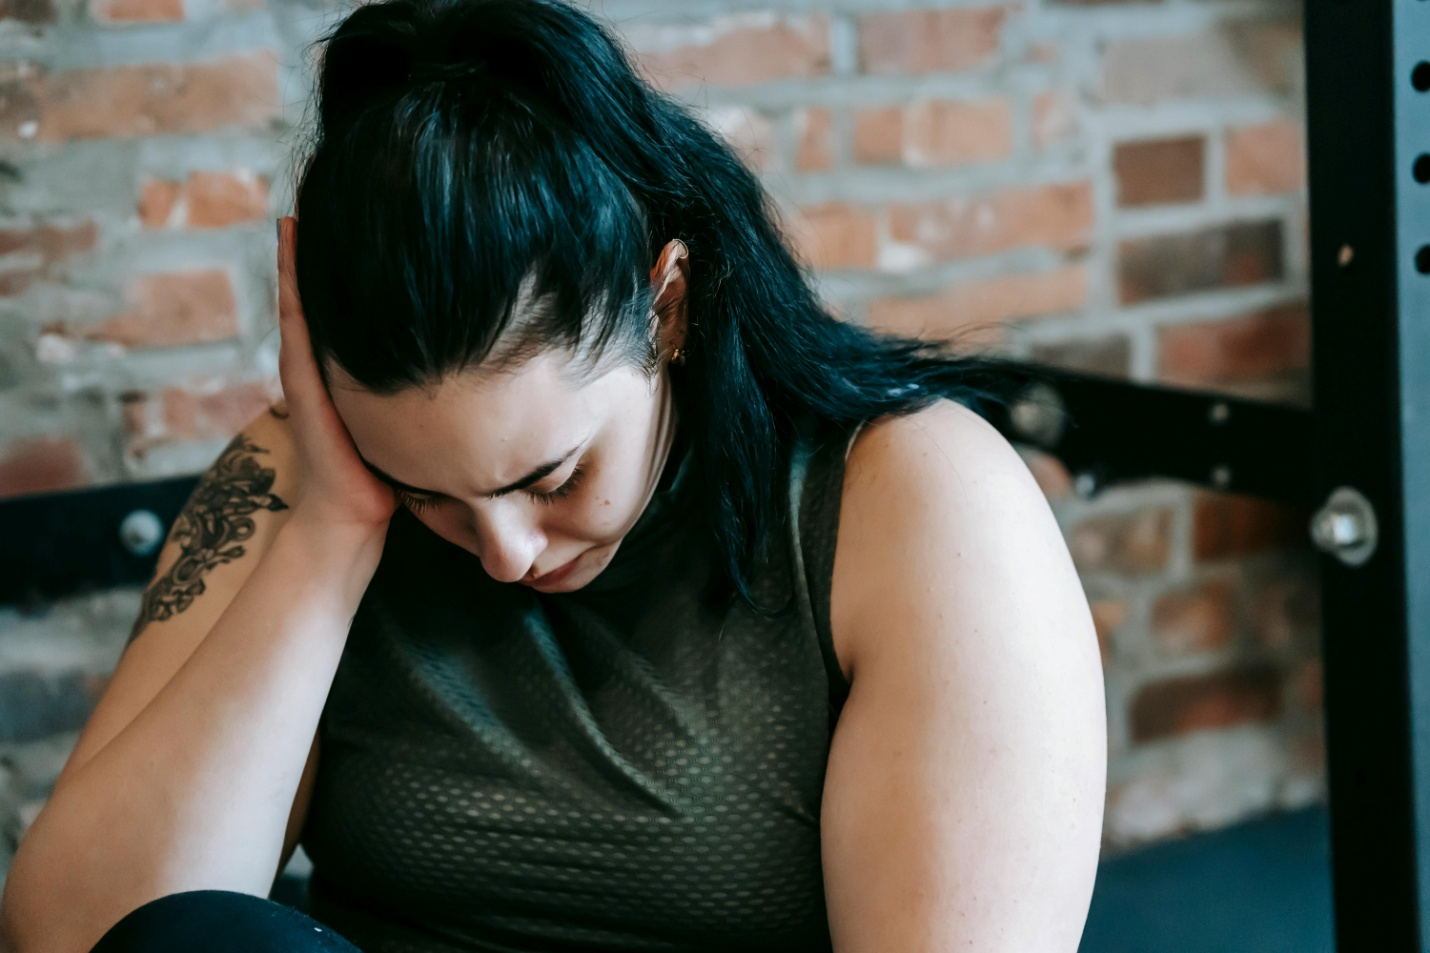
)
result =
(334, 483)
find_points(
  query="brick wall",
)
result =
(1115, 186)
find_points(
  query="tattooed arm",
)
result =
(212, 528)
(190, 773)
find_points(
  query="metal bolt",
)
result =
(141, 533)
(1039, 415)
(1345, 256)
(1221, 476)
(1345, 526)
(1219, 413)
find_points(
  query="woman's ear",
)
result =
(670, 279)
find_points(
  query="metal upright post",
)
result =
(1368, 103)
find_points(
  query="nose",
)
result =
(508, 541)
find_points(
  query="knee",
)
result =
(219, 921)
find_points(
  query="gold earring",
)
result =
(677, 355)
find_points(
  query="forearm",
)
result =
(195, 792)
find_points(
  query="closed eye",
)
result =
(551, 496)
(416, 503)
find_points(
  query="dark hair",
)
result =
(490, 177)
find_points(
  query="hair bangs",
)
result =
(462, 226)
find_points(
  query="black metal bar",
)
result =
(1113, 431)
(57, 544)
(1371, 378)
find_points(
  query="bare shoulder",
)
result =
(939, 515)
(933, 451)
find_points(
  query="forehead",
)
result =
(473, 430)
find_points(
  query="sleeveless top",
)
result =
(626, 767)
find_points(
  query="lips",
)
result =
(556, 575)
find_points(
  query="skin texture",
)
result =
(963, 801)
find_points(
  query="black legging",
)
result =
(219, 921)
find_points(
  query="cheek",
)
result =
(602, 511)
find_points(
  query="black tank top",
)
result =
(627, 767)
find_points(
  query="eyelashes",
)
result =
(420, 503)
(565, 489)
(416, 503)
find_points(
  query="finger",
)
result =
(293, 325)
(288, 302)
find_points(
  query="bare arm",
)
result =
(190, 773)
(186, 774)
(964, 796)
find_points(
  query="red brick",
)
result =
(1059, 217)
(1250, 347)
(1287, 611)
(935, 132)
(1240, 59)
(28, 11)
(1229, 526)
(42, 465)
(740, 50)
(929, 41)
(835, 235)
(205, 200)
(1199, 619)
(1107, 617)
(147, 100)
(50, 244)
(1227, 256)
(1110, 356)
(1160, 171)
(136, 11)
(878, 135)
(1266, 159)
(815, 151)
(1054, 118)
(949, 133)
(974, 305)
(201, 411)
(176, 308)
(157, 202)
(1129, 543)
(1210, 702)
(221, 199)
(17, 282)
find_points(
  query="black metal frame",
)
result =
(1368, 95)
(1371, 366)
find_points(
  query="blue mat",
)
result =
(1259, 887)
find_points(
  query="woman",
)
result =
(595, 589)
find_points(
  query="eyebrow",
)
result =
(535, 476)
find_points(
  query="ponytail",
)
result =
(516, 126)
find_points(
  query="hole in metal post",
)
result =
(1420, 76)
(1422, 260)
(1421, 168)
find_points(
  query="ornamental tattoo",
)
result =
(211, 529)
